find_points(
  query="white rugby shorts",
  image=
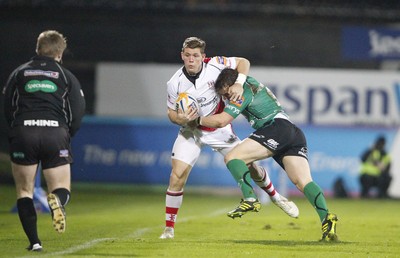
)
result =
(188, 144)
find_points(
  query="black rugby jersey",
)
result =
(41, 92)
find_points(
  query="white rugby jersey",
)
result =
(203, 90)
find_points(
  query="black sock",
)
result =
(28, 218)
(63, 194)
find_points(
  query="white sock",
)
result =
(173, 201)
(265, 183)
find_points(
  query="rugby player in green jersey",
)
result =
(274, 136)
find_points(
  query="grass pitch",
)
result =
(127, 220)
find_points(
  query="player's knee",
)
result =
(228, 157)
(178, 175)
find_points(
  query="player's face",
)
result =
(192, 59)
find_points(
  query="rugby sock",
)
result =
(63, 194)
(316, 197)
(173, 201)
(241, 173)
(28, 218)
(265, 183)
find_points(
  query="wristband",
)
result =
(197, 121)
(241, 79)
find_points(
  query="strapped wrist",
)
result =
(241, 79)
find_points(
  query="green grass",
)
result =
(126, 221)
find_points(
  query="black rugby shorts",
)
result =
(51, 146)
(283, 138)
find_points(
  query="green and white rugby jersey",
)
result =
(258, 104)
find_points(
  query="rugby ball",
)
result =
(186, 101)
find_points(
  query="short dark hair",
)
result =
(227, 76)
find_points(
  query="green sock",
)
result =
(316, 197)
(241, 173)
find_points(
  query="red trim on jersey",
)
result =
(207, 59)
(219, 109)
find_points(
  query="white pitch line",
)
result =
(76, 248)
(137, 233)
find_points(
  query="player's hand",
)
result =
(187, 116)
(235, 92)
(191, 114)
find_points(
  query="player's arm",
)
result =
(77, 103)
(242, 65)
(216, 121)
(7, 95)
(243, 68)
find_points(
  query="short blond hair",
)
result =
(51, 43)
(194, 42)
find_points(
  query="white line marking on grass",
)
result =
(137, 233)
(77, 248)
(141, 231)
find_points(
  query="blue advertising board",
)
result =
(365, 43)
(138, 151)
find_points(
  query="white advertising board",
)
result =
(309, 96)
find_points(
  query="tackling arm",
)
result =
(217, 120)
(243, 68)
(242, 65)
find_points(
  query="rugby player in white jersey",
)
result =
(197, 77)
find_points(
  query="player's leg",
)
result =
(185, 153)
(24, 178)
(58, 180)
(23, 142)
(298, 171)
(261, 178)
(263, 143)
(174, 195)
(244, 153)
(56, 157)
(224, 140)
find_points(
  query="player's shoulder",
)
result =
(176, 76)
